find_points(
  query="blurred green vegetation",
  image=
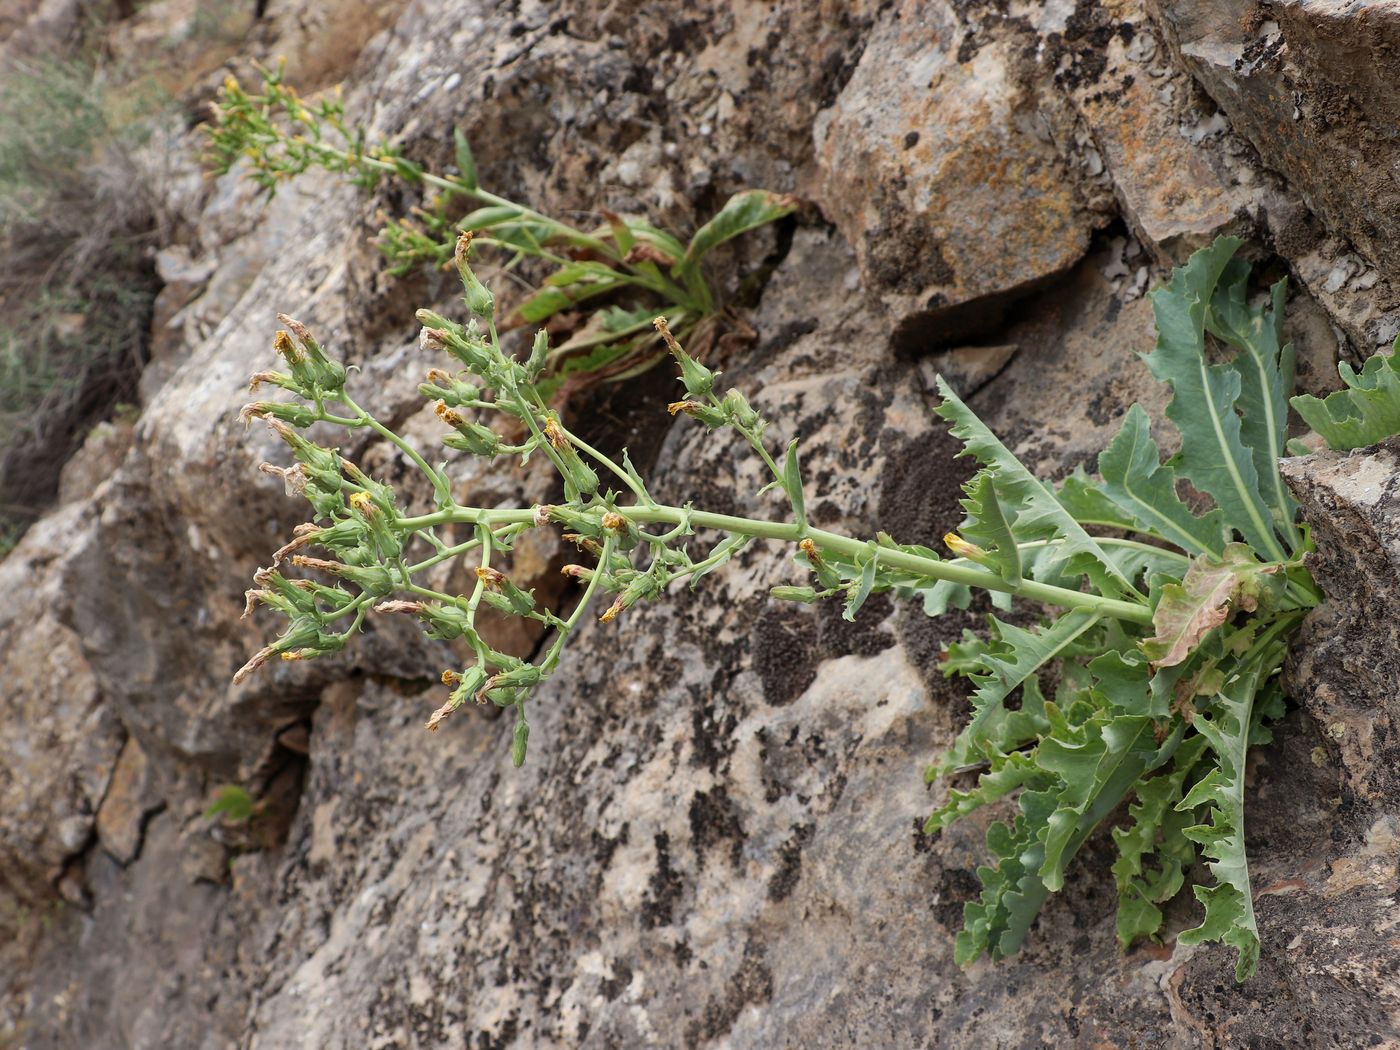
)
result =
(78, 215)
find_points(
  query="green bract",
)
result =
(1152, 669)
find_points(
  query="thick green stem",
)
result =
(916, 565)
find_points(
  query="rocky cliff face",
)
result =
(715, 842)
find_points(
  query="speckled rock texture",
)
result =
(715, 841)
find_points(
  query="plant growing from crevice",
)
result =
(617, 275)
(1152, 671)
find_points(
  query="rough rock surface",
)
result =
(715, 841)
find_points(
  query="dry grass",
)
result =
(77, 213)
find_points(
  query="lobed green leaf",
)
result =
(1366, 412)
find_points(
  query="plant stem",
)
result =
(916, 565)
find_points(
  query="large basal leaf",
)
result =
(1187, 611)
(1229, 903)
(1136, 481)
(1012, 892)
(1086, 502)
(1097, 764)
(743, 212)
(1157, 833)
(1007, 773)
(1032, 504)
(1025, 653)
(1213, 456)
(1366, 412)
(1265, 366)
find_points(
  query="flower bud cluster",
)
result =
(369, 539)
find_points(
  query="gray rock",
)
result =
(1347, 672)
(1302, 80)
(714, 842)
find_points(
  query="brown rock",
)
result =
(1306, 82)
(129, 801)
(943, 175)
(1347, 671)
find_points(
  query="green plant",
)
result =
(278, 135)
(77, 211)
(1367, 411)
(233, 804)
(1148, 681)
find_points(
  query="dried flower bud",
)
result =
(479, 299)
(711, 417)
(583, 542)
(282, 343)
(251, 598)
(297, 415)
(302, 332)
(453, 392)
(578, 475)
(434, 339)
(281, 553)
(474, 438)
(374, 580)
(399, 607)
(554, 433)
(643, 585)
(522, 676)
(577, 572)
(541, 514)
(516, 601)
(699, 381)
(293, 477)
(827, 576)
(276, 378)
(625, 533)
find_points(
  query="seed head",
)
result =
(302, 332)
(399, 607)
(283, 344)
(555, 433)
(448, 416)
